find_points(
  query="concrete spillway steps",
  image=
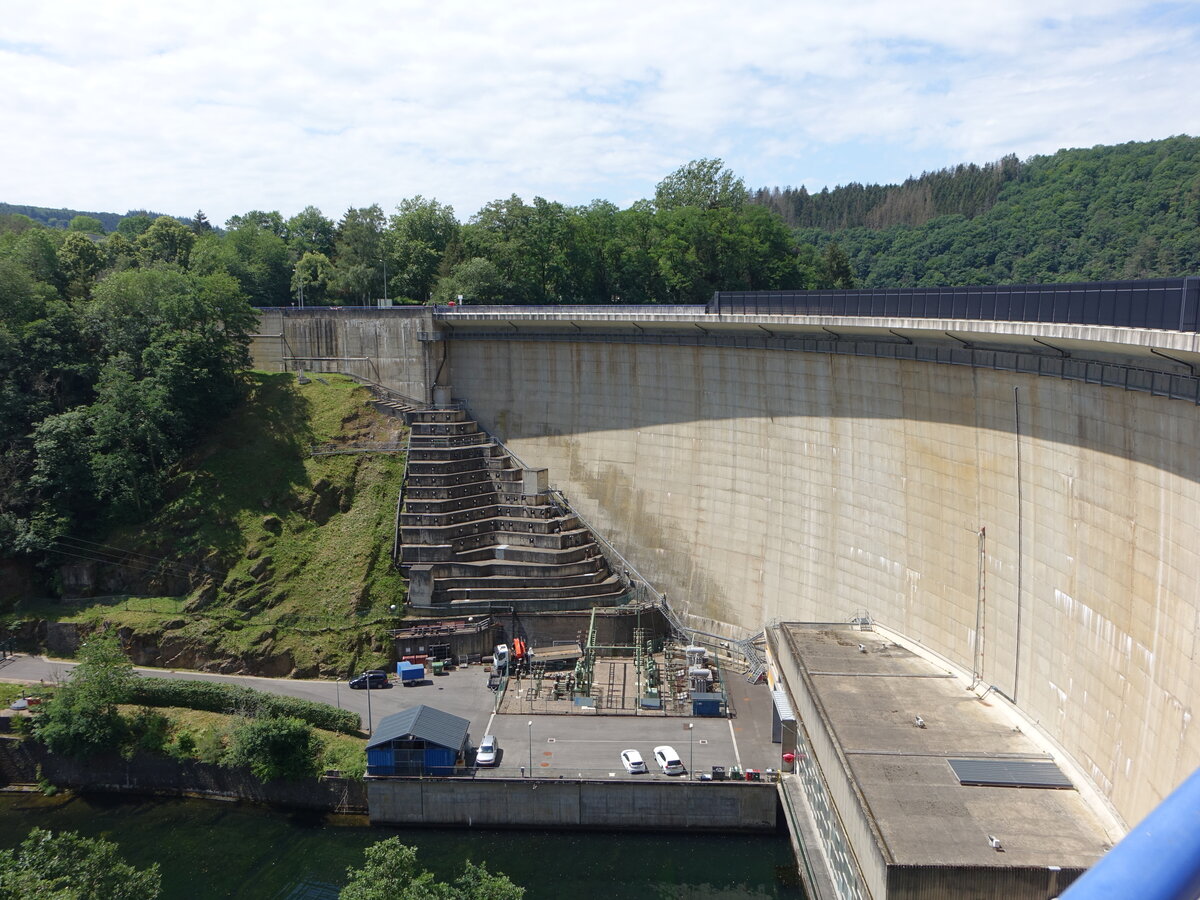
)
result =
(476, 528)
(395, 408)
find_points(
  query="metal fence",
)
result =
(1171, 304)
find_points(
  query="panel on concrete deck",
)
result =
(1024, 773)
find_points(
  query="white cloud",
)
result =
(231, 106)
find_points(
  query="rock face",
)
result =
(62, 638)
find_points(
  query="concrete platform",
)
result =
(908, 818)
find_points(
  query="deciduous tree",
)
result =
(68, 866)
(391, 872)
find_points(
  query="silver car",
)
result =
(488, 751)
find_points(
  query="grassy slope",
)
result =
(289, 554)
(343, 752)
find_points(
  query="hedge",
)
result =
(231, 698)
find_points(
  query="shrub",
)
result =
(230, 698)
(275, 748)
(210, 746)
(185, 746)
(148, 730)
(82, 718)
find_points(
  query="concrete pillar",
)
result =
(420, 585)
(535, 481)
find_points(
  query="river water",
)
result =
(209, 849)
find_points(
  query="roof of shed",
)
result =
(424, 723)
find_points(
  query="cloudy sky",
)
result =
(231, 106)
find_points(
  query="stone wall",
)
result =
(20, 761)
(753, 485)
(539, 803)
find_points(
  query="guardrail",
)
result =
(400, 503)
(565, 311)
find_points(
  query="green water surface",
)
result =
(209, 849)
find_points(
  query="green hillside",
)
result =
(62, 217)
(1105, 213)
(262, 558)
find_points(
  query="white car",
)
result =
(633, 762)
(668, 760)
(487, 752)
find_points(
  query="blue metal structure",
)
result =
(417, 741)
(1158, 860)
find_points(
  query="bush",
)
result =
(210, 746)
(275, 748)
(185, 746)
(82, 718)
(229, 698)
(148, 730)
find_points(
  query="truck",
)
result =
(500, 659)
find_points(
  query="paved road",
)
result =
(569, 746)
(32, 669)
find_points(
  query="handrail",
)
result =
(400, 502)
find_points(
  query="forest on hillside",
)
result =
(1108, 213)
(1127, 211)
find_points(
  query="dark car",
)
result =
(376, 678)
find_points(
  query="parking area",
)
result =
(578, 745)
(589, 745)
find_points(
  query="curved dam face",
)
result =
(1040, 532)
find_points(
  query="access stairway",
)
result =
(478, 532)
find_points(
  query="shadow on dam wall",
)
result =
(631, 387)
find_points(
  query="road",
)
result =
(33, 669)
(553, 746)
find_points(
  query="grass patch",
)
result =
(195, 734)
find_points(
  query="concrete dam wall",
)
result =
(1040, 531)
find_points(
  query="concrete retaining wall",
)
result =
(376, 345)
(866, 843)
(537, 803)
(20, 762)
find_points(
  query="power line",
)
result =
(109, 553)
(138, 565)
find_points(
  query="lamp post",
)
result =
(691, 754)
(530, 723)
(384, 261)
(370, 720)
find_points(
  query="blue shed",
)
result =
(417, 741)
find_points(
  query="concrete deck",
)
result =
(919, 813)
